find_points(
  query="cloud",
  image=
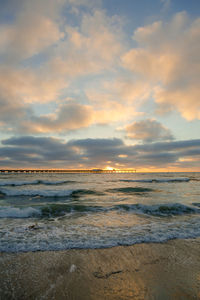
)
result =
(93, 47)
(12, 109)
(33, 30)
(43, 55)
(29, 151)
(29, 86)
(35, 151)
(69, 116)
(109, 108)
(173, 146)
(17, 115)
(117, 100)
(64, 52)
(166, 5)
(167, 55)
(148, 130)
(31, 141)
(78, 6)
(54, 50)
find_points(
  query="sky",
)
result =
(100, 83)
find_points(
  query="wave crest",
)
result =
(157, 180)
(33, 193)
(131, 190)
(35, 182)
(160, 209)
(49, 193)
(15, 212)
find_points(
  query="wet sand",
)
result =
(145, 271)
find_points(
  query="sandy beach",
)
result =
(145, 271)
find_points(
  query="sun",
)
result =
(108, 168)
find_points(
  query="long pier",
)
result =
(96, 171)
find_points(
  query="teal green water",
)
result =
(62, 211)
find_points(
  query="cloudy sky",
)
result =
(98, 83)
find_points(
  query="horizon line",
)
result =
(43, 170)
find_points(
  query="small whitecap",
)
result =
(15, 212)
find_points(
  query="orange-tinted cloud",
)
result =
(35, 28)
(168, 56)
(69, 116)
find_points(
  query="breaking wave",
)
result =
(56, 210)
(160, 209)
(15, 212)
(157, 180)
(78, 193)
(48, 193)
(131, 190)
(35, 182)
(47, 211)
(33, 193)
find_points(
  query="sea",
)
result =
(58, 211)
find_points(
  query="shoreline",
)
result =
(169, 270)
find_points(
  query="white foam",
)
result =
(50, 237)
(17, 183)
(181, 179)
(172, 179)
(15, 212)
(41, 193)
(33, 182)
(160, 209)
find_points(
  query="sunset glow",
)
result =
(87, 84)
(109, 168)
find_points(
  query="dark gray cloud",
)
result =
(169, 146)
(30, 151)
(148, 131)
(32, 141)
(96, 143)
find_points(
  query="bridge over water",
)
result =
(66, 171)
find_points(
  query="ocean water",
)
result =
(64, 211)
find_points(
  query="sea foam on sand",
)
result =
(163, 271)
